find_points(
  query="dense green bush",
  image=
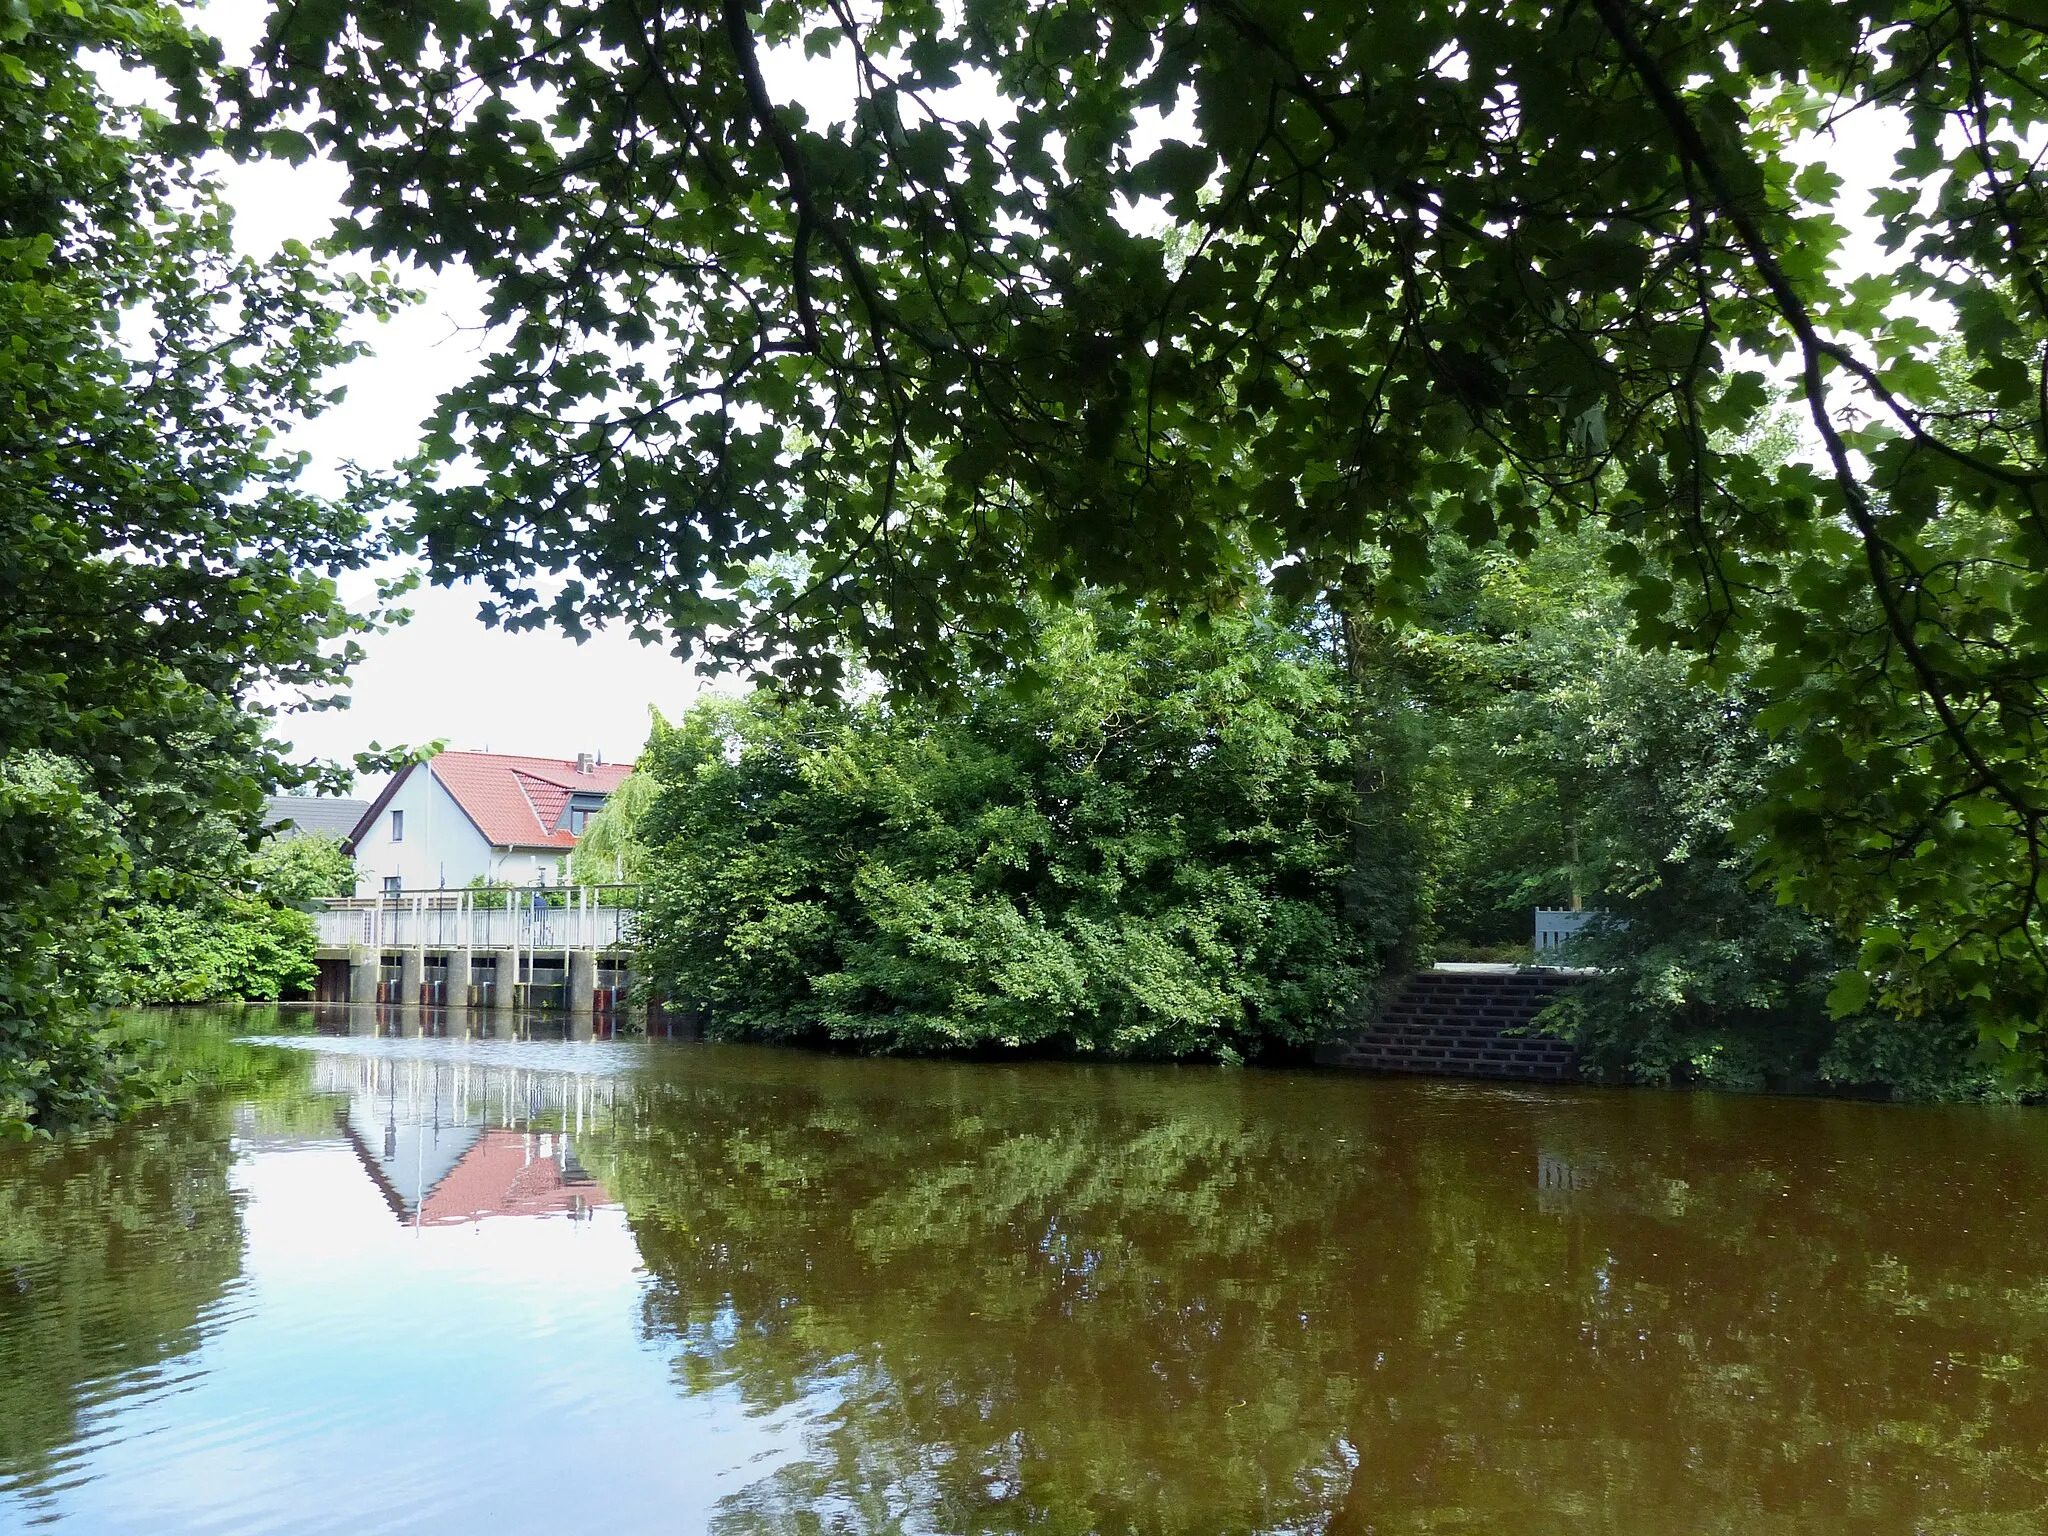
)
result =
(60, 848)
(303, 871)
(231, 946)
(1135, 851)
(236, 929)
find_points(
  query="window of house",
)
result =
(578, 820)
(391, 885)
(398, 826)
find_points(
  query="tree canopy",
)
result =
(1174, 300)
(166, 585)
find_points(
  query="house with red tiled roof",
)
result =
(462, 816)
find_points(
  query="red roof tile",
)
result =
(516, 801)
(546, 799)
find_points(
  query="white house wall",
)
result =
(441, 846)
(525, 866)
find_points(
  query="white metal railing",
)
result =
(532, 918)
(1554, 926)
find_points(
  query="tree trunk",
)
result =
(1386, 895)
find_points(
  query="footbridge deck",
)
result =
(568, 947)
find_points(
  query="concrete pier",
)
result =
(582, 980)
(458, 978)
(507, 977)
(362, 974)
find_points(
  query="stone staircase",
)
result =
(1454, 1023)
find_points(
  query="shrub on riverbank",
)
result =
(1081, 867)
(1137, 851)
(231, 946)
(234, 930)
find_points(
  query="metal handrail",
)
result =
(442, 919)
(466, 894)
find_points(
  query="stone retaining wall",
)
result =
(1459, 1024)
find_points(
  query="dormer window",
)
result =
(582, 804)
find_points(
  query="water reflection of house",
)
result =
(445, 1175)
(513, 1173)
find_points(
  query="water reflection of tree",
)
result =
(1075, 1300)
(115, 1244)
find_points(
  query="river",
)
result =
(387, 1281)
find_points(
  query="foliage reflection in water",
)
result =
(393, 1280)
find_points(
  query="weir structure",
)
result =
(563, 948)
(571, 949)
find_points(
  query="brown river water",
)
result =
(395, 1280)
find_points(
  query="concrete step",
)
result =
(1461, 1024)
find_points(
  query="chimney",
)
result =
(584, 763)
